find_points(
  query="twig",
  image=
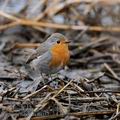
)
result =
(89, 99)
(60, 26)
(34, 93)
(55, 8)
(6, 108)
(89, 46)
(115, 117)
(110, 70)
(62, 89)
(98, 77)
(111, 76)
(8, 91)
(26, 45)
(40, 105)
(9, 25)
(103, 91)
(78, 114)
(61, 107)
(8, 78)
(93, 1)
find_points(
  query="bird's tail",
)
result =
(34, 76)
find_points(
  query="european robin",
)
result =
(51, 56)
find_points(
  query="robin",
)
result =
(51, 56)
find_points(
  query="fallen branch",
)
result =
(77, 114)
(31, 23)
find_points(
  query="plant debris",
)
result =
(88, 87)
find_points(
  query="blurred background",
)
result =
(92, 75)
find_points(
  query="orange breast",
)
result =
(60, 55)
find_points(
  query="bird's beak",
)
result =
(66, 41)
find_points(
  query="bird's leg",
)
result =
(50, 77)
(57, 76)
(43, 79)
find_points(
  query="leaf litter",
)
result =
(88, 87)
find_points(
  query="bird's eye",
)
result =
(58, 41)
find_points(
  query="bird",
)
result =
(51, 56)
